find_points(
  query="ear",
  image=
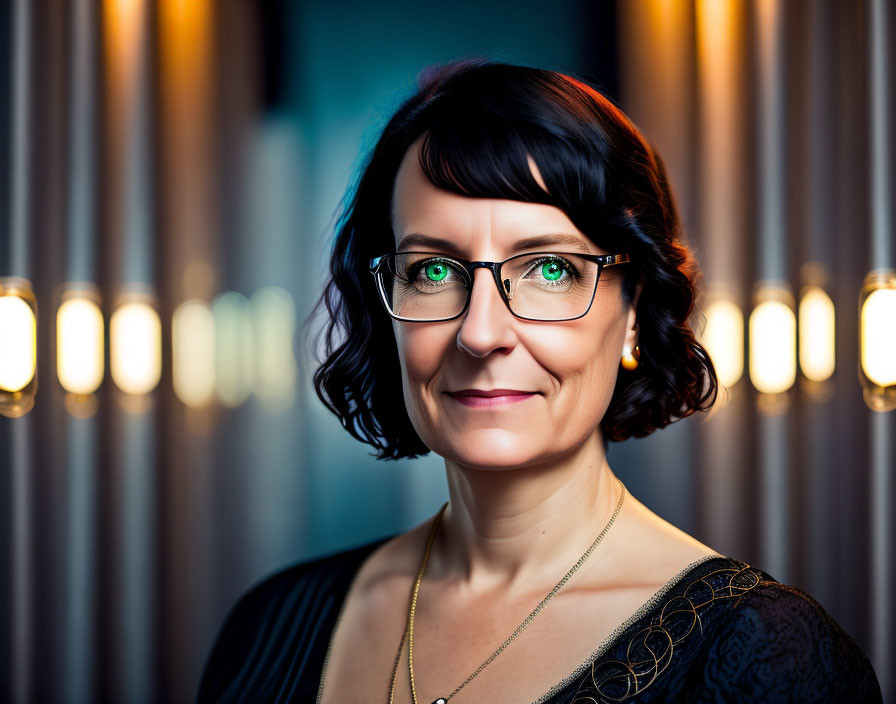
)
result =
(632, 328)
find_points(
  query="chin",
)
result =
(491, 448)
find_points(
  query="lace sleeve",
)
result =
(780, 645)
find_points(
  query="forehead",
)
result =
(420, 208)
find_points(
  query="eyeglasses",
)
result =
(542, 286)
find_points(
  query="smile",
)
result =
(478, 398)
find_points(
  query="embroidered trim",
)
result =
(650, 651)
(643, 609)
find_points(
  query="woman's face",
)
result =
(566, 371)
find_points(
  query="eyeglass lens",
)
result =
(543, 286)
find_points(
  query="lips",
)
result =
(490, 394)
(489, 398)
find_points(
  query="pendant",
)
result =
(440, 700)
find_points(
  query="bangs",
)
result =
(482, 160)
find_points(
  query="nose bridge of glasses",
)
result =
(475, 305)
(504, 287)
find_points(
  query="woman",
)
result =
(509, 290)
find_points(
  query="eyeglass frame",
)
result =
(603, 261)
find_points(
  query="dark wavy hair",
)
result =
(482, 120)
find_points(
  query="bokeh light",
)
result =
(772, 335)
(135, 354)
(18, 343)
(234, 349)
(274, 322)
(816, 334)
(193, 353)
(80, 337)
(878, 336)
(723, 338)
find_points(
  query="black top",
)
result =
(720, 631)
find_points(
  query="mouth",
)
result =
(481, 398)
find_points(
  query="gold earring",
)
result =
(630, 359)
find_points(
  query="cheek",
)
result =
(582, 357)
(421, 349)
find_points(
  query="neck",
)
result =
(510, 526)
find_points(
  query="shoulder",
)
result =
(295, 588)
(779, 644)
(726, 631)
(290, 611)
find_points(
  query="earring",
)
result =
(630, 359)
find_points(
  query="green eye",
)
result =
(436, 271)
(551, 270)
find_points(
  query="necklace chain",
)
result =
(409, 629)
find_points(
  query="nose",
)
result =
(487, 325)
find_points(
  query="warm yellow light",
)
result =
(234, 348)
(122, 23)
(816, 331)
(723, 338)
(79, 345)
(274, 320)
(193, 353)
(135, 350)
(18, 343)
(878, 336)
(772, 346)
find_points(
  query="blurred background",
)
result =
(170, 174)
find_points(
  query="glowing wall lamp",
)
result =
(273, 322)
(877, 339)
(723, 337)
(18, 347)
(816, 333)
(234, 349)
(193, 353)
(80, 337)
(135, 347)
(772, 334)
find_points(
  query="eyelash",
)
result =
(567, 267)
(415, 269)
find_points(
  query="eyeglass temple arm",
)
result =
(606, 260)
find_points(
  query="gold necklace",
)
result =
(409, 630)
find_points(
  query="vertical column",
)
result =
(21, 543)
(20, 138)
(883, 261)
(188, 274)
(135, 353)
(816, 308)
(721, 106)
(80, 361)
(772, 322)
(657, 86)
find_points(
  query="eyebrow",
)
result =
(415, 239)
